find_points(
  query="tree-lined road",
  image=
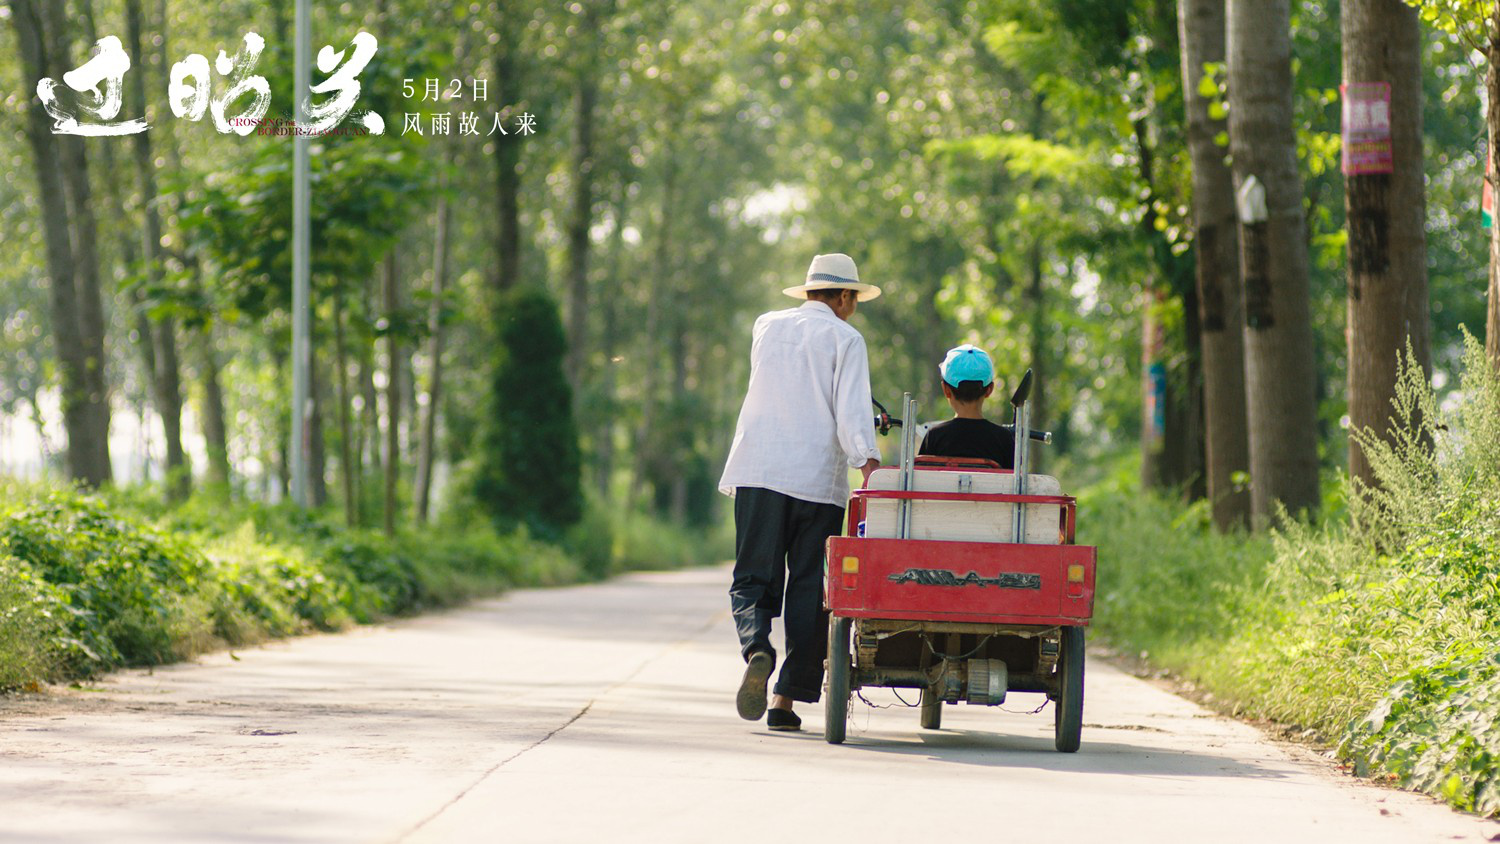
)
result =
(605, 713)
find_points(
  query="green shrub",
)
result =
(1438, 730)
(644, 542)
(481, 561)
(388, 580)
(1376, 628)
(31, 626)
(91, 581)
(136, 596)
(529, 470)
(610, 540)
(274, 589)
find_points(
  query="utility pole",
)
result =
(301, 329)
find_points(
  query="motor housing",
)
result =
(988, 680)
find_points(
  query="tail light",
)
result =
(1075, 581)
(849, 571)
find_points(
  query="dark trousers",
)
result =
(778, 561)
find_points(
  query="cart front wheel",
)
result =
(932, 710)
(1069, 702)
(836, 702)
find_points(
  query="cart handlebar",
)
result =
(884, 422)
(1038, 436)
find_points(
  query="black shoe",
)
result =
(783, 719)
(751, 700)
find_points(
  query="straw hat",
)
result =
(833, 271)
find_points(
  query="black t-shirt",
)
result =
(971, 438)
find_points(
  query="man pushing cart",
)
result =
(806, 420)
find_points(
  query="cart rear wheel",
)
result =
(932, 710)
(1068, 728)
(836, 703)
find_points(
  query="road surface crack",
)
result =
(497, 766)
(566, 724)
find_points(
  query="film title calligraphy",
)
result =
(196, 88)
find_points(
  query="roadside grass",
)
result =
(611, 541)
(93, 582)
(31, 617)
(1377, 628)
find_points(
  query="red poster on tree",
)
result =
(1367, 127)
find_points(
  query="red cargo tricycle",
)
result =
(962, 580)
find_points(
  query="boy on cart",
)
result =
(968, 379)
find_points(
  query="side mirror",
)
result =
(1022, 391)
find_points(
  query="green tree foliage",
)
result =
(244, 219)
(1472, 21)
(1012, 174)
(529, 464)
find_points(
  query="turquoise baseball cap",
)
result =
(967, 363)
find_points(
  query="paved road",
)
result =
(605, 714)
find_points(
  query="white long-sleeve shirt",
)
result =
(807, 416)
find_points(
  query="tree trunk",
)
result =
(369, 412)
(390, 304)
(369, 439)
(1153, 397)
(654, 293)
(604, 433)
(317, 443)
(412, 414)
(167, 383)
(1172, 432)
(1492, 123)
(582, 213)
(129, 242)
(214, 419)
(508, 157)
(1155, 472)
(1387, 216)
(87, 428)
(347, 462)
(1280, 371)
(427, 448)
(1036, 297)
(215, 425)
(1185, 426)
(279, 354)
(91, 322)
(1216, 249)
(677, 500)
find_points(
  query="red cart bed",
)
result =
(984, 583)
